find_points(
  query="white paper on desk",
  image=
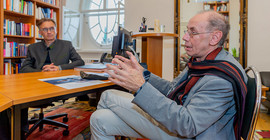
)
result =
(71, 82)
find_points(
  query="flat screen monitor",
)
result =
(122, 43)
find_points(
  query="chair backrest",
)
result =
(265, 76)
(252, 104)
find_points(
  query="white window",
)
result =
(102, 16)
(71, 26)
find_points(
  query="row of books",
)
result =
(53, 2)
(222, 7)
(13, 49)
(45, 13)
(20, 6)
(214, 1)
(37, 34)
(13, 28)
(12, 67)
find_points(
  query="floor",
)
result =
(263, 122)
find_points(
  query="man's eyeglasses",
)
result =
(192, 33)
(51, 29)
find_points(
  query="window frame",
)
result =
(118, 12)
(78, 45)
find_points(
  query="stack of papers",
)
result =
(93, 67)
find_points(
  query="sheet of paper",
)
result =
(71, 82)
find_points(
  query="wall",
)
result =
(73, 5)
(234, 18)
(187, 11)
(259, 34)
(151, 9)
(163, 10)
(134, 11)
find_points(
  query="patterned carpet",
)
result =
(69, 104)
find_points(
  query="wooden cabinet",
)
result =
(222, 7)
(152, 50)
(18, 19)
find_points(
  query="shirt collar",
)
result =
(51, 46)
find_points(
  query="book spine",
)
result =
(8, 4)
(5, 4)
(5, 28)
(22, 5)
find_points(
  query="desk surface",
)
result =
(5, 102)
(23, 88)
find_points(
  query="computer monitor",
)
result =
(122, 43)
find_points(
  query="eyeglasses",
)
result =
(51, 29)
(191, 33)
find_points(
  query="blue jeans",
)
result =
(116, 115)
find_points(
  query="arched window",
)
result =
(103, 19)
(71, 27)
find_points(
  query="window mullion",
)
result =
(103, 20)
(105, 4)
(101, 10)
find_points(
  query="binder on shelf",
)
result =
(18, 29)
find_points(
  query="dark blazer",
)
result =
(61, 53)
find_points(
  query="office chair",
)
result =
(47, 120)
(252, 104)
(265, 76)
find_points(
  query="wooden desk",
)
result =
(5, 102)
(26, 90)
(152, 49)
(264, 89)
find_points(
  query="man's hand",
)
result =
(128, 73)
(132, 62)
(50, 67)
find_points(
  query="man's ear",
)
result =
(39, 31)
(216, 37)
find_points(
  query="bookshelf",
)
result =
(222, 7)
(18, 28)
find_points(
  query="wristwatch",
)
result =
(146, 75)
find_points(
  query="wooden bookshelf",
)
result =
(16, 57)
(222, 7)
(19, 17)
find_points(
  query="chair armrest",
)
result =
(264, 89)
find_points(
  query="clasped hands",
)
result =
(128, 73)
(50, 67)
